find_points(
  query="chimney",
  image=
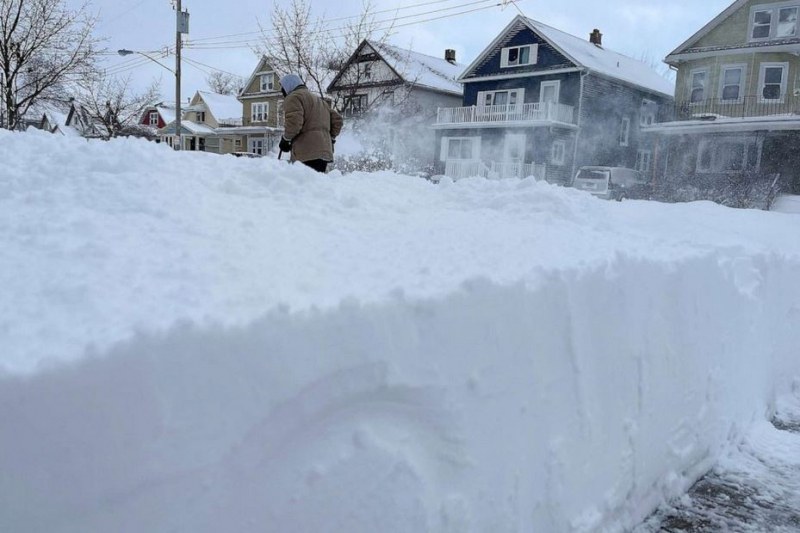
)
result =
(450, 56)
(596, 38)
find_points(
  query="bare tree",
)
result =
(114, 106)
(44, 46)
(299, 43)
(224, 83)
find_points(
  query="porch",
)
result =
(470, 168)
(538, 113)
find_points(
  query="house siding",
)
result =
(605, 104)
(548, 57)
(569, 91)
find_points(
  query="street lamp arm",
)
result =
(125, 52)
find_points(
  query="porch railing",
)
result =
(745, 107)
(476, 168)
(533, 112)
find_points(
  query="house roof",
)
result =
(584, 54)
(604, 61)
(422, 69)
(225, 108)
(188, 127)
(716, 21)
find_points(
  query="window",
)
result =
(647, 114)
(774, 22)
(365, 71)
(354, 105)
(460, 148)
(201, 116)
(697, 85)
(257, 146)
(267, 82)
(731, 82)
(510, 97)
(728, 155)
(153, 118)
(558, 153)
(625, 131)
(772, 81)
(259, 112)
(518, 56)
(644, 159)
(237, 143)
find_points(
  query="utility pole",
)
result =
(178, 43)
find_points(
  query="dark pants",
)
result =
(320, 165)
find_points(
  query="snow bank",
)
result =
(204, 343)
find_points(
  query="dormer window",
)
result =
(518, 56)
(778, 21)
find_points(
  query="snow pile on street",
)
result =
(202, 343)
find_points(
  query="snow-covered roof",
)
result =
(167, 113)
(602, 60)
(188, 126)
(421, 69)
(225, 108)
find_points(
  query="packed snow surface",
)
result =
(200, 343)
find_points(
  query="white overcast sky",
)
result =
(638, 28)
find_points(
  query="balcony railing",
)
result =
(501, 114)
(476, 168)
(745, 107)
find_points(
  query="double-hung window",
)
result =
(776, 21)
(558, 153)
(260, 112)
(644, 159)
(518, 56)
(731, 83)
(267, 82)
(772, 81)
(625, 131)
(698, 79)
(153, 118)
(460, 148)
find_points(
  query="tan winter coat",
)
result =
(310, 124)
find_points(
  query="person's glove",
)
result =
(285, 145)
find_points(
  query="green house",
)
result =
(737, 98)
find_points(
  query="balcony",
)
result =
(476, 168)
(499, 116)
(746, 107)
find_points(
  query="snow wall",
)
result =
(574, 399)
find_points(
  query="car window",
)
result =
(587, 174)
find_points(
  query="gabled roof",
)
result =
(716, 21)
(420, 70)
(262, 66)
(223, 107)
(584, 54)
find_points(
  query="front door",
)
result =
(513, 155)
(257, 146)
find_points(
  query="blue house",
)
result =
(541, 102)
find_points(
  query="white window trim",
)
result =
(743, 140)
(261, 76)
(520, 96)
(256, 144)
(642, 156)
(762, 79)
(558, 153)
(742, 82)
(254, 111)
(625, 127)
(551, 83)
(150, 116)
(643, 116)
(445, 144)
(774, 10)
(533, 55)
(692, 72)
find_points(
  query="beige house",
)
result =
(737, 99)
(262, 104)
(208, 124)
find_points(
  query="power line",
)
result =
(327, 21)
(209, 66)
(390, 23)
